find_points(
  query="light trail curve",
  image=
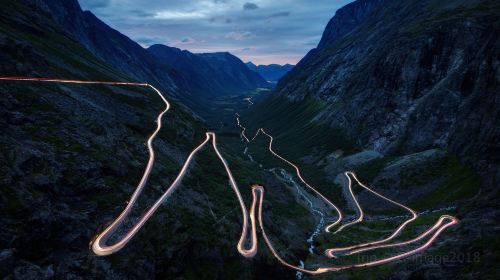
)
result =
(258, 193)
(330, 252)
(242, 134)
(437, 228)
(299, 175)
(100, 247)
(99, 244)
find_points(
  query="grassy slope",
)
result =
(296, 135)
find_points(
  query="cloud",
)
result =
(143, 14)
(280, 14)
(179, 15)
(238, 36)
(94, 4)
(187, 40)
(250, 6)
(146, 41)
(261, 31)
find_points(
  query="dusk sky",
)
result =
(261, 31)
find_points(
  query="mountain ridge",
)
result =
(129, 57)
(205, 74)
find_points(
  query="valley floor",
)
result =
(381, 218)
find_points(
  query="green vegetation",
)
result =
(439, 15)
(455, 180)
(13, 204)
(460, 183)
(369, 170)
(293, 127)
(296, 135)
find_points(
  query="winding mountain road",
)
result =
(251, 217)
(437, 228)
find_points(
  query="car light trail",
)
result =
(258, 193)
(242, 128)
(297, 170)
(249, 99)
(358, 206)
(437, 228)
(330, 252)
(35, 79)
(100, 247)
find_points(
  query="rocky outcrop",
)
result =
(407, 76)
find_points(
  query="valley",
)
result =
(375, 157)
(314, 257)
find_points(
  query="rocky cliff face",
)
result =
(347, 19)
(406, 76)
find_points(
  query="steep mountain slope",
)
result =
(129, 57)
(206, 74)
(347, 19)
(72, 155)
(405, 93)
(411, 76)
(106, 43)
(271, 72)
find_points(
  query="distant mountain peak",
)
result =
(209, 73)
(347, 19)
(270, 72)
(250, 64)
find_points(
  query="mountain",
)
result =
(72, 154)
(405, 93)
(129, 57)
(232, 70)
(271, 72)
(422, 83)
(201, 73)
